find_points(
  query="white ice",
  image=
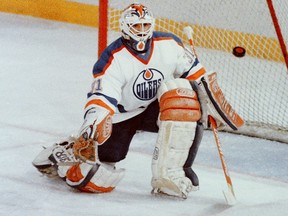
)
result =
(45, 73)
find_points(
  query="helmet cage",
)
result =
(137, 24)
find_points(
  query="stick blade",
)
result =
(230, 198)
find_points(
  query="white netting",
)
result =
(257, 84)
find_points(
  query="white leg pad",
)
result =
(96, 178)
(171, 151)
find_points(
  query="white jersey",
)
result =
(126, 82)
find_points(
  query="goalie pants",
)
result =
(116, 147)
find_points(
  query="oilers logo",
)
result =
(146, 84)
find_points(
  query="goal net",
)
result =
(256, 84)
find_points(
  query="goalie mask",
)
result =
(137, 25)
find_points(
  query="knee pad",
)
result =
(178, 102)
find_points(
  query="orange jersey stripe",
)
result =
(197, 74)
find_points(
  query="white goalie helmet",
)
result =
(137, 25)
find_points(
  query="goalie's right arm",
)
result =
(76, 160)
(91, 175)
(97, 124)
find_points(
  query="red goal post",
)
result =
(257, 83)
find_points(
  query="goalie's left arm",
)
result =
(214, 103)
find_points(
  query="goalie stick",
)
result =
(229, 195)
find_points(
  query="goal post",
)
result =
(278, 31)
(256, 84)
(103, 26)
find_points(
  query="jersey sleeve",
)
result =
(107, 83)
(188, 65)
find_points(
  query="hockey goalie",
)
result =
(143, 81)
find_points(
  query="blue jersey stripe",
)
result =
(113, 101)
(106, 56)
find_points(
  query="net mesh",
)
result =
(257, 84)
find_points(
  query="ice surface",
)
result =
(45, 74)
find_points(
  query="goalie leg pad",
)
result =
(179, 113)
(170, 153)
(192, 155)
(94, 178)
(67, 159)
(89, 174)
(179, 105)
(178, 101)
